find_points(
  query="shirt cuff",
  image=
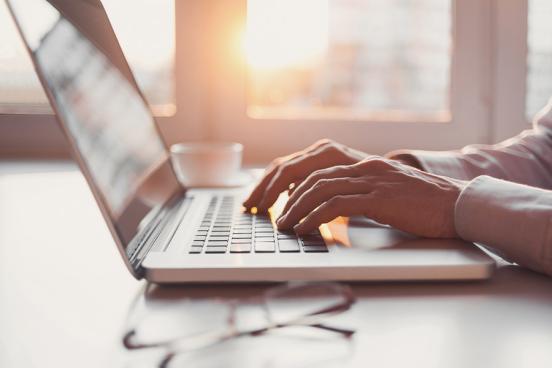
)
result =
(513, 220)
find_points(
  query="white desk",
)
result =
(64, 293)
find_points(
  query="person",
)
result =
(499, 195)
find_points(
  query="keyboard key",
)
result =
(241, 241)
(195, 250)
(217, 243)
(221, 227)
(311, 238)
(240, 248)
(242, 231)
(225, 222)
(197, 243)
(312, 233)
(313, 242)
(199, 237)
(216, 250)
(287, 236)
(315, 249)
(264, 247)
(218, 238)
(241, 236)
(267, 239)
(264, 230)
(264, 234)
(288, 245)
(242, 227)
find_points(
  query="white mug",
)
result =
(207, 164)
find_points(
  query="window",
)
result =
(348, 57)
(147, 39)
(374, 74)
(19, 86)
(539, 59)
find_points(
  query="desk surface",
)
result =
(65, 293)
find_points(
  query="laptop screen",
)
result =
(105, 116)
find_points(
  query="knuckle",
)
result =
(332, 148)
(321, 183)
(377, 164)
(334, 201)
(345, 170)
(324, 141)
(276, 162)
(283, 168)
(314, 177)
(342, 168)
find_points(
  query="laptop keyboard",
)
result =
(224, 229)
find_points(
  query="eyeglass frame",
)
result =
(231, 332)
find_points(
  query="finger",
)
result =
(312, 179)
(323, 191)
(342, 205)
(294, 170)
(256, 195)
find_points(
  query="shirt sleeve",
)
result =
(524, 159)
(513, 220)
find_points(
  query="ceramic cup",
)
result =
(207, 164)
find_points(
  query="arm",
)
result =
(513, 217)
(525, 159)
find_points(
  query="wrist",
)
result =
(404, 158)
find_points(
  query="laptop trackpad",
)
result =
(364, 234)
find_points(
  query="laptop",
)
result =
(167, 233)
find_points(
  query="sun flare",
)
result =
(285, 33)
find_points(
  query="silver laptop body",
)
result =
(166, 233)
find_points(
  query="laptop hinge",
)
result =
(160, 229)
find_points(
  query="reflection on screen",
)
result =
(96, 98)
(94, 95)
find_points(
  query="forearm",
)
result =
(524, 159)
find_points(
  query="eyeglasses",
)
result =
(294, 304)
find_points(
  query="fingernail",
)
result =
(297, 228)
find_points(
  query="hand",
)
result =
(293, 169)
(383, 190)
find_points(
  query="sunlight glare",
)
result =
(286, 33)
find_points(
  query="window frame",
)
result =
(510, 45)
(210, 91)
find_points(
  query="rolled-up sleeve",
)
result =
(507, 206)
